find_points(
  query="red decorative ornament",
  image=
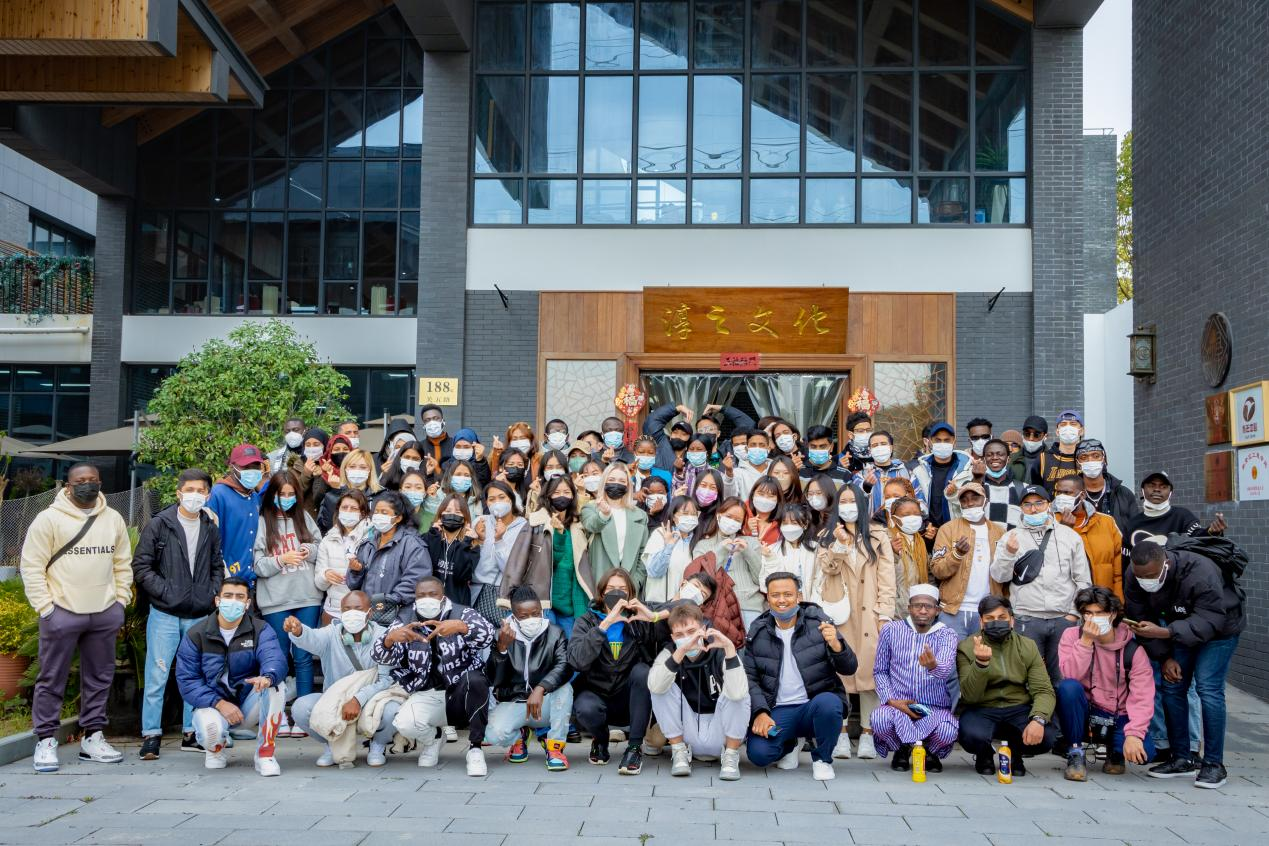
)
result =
(629, 401)
(863, 400)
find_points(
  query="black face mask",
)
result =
(561, 503)
(86, 491)
(678, 443)
(452, 522)
(613, 597)
(708, 440)
(997, 630)
(515, 474)
(615, 490)
(337, 458)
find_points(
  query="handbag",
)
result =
(383, 610)
(1027, 567)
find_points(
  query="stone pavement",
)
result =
(174, 800)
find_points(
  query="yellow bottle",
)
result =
(1004, 763)
(918, 762)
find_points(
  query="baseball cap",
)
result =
(1035, 490)
(1089, 445)
(245, 455)
(1071, 414)
(680, 425)
(1158, 474)
(942, 426)
(971, 487)
(1036, 422)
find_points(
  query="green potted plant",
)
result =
(18, 622)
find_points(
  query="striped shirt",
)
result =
(897, 669)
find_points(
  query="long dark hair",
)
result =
(794, 493)
(274, 515)
(829, 489)
(708, 513)
(522, 487)
(496, 485)
(395, 474)
(461, 499)
(568, 515)
(862, 524)
(798, 513)
(560, 459)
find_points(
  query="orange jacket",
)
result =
(1104, 545)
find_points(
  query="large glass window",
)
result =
(749, 112)
(41, 403)
(269, 211)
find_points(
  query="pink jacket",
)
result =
(1099, 669)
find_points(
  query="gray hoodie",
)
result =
(1065, 571)
(282, 587)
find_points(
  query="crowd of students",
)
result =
(687, 590)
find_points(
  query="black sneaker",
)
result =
(985, 763)
(902, 760)
(1211, 776)
(1174, 768)
(599, 753)
(1076, 766)
(574, 736)
(632, 761)
(150, 748)
(189, 743)
(1162, 756)
(933, 763)
(1114, 764)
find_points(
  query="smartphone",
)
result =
(774, 731)
(1131, 622)
(918, 708)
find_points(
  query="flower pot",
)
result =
(12, 668)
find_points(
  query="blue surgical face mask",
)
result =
(997, 474)
(415, 498)
(461, 484)
(250, 479)
(696, 458)
(613, 440)
(818, 456)
(286, 503)
(785, 616)
(757, 456)
(232, 609)
(645, 462)
(1035, 521)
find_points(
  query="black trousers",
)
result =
(630, 704)
(980, 726)
(467, 704)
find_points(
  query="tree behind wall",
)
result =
(1123, 218)
(238, 390)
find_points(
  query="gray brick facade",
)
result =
(500, 374)
(105, 400)
(15, 221)
(1201, 173)
(993, 361)
(1100, 158)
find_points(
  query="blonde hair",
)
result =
(601, 496)
(372, 483)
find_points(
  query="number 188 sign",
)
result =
(438, 390)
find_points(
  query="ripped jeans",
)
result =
(163, 634)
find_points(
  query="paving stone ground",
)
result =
(174, 800)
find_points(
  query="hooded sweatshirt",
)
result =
(90, 576)
(1064, 573)
(1110, 686)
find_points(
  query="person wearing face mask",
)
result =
(1103, 490)
(503, 538)
(344, 648)
(961, 560)
(436, 441)
(437, 655)
(695, 464)
(552, 465)
(232, 671)
(418, 495)
(312, 450)
(616, 530)
(669, 550)
(656, 500)
(613, 448)
(409, 459)
(77, 571)
(820, 456)
(1006, 692)
(290, 454)
(911, 558)
(1030, 463)
(568, 583)
(1159, 517)
(882, 467)
(1107, 687)
(337, 548)
(915, 660)
(852, 580)
(519, 439)
(1189, 617)
(357, 472)
(235, 500)
(177, 568)
(514, 469)
(611, 647)
(285, 552)
(462, 479)
(795, 661)
(820, 493)
(794, 552)
(469, 449)
(858, 456)
(645, 465)
(528, 672)
(941, 472)
(1060, 458)
(700, 694)
(669, 447)
(757, 464)
(1003, 493)
(785, 472)
(399, 433)
(1042, 586)
(451, 544)
(326, 478)
(391, 560)
(785, 438)
(762, 512)
(979, 431)
(721, 535)
(1102, 541)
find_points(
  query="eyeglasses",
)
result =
(1034, 505)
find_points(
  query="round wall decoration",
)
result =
(1216, 349)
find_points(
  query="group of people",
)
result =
(712, 584)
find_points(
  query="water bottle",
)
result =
(1004, 764)
(918, 762)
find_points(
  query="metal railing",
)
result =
(41, 285)
(137, 506)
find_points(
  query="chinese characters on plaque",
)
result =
(791, 320)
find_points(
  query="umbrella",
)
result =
(18, 449)
(110, 441)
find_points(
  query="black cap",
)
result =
(1037, 490)
(1036, 422)
(1158, 474)
(679, 425)
(1089, 445)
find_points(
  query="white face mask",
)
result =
(764, 504)
(817, 501)
(433, 428)
(500, 509)
(408, 464)
(654, 500)
(741, 452)
(464, 453)
(592, 483)
(1063, 503)
(686, 524)
(978, 444)
(357, 477)
(313, 453)
(557, 439)
(692, 594)
(786, 443)
(1033, 446)
(1150, 509)
(383, 522)
(353, 621)
(848, 511)
(354, 441)
(1092, 469)
(942, 449)
(888, 502)
(728, 526)
(861, 441)
(1153, 585)
(521, 444)
(531, 627)
(427, 608)
(911, 524)
(349, 518)
(1068, 434)
(192, 502)
(973, 515)
(881, 454)
(1102, 623)
(553, 473)
(792, 532)
(294, 439)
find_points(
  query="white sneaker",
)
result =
(95, 748)
(680, 759)
(823, 770)
(215, 760)
(867, 750)
(730, 765)
(284, 727)
(650, 751)
(45, 758)
(476, 762)
(842, 750)
(790, 761)
(377, 756)
(327, 759)
(451, 734)
(616, 736)
(429, 753)
(268, 766)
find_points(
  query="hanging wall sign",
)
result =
(1253, 474)
(1247, 414)
(762, 320)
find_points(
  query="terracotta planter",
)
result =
(12, 668)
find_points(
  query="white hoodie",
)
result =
(90, 576)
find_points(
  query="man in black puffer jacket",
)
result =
(794, 658)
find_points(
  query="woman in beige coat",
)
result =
(853, 580)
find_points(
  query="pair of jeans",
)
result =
(1206, 665)
(1074, 710)
(1046, 632)
(979, 726)
(507, 718)
(820, 720)
(260, 708)
(630, 704)
(565, 623)
(963, 622)
(704, 734)
(61, 633)
(301, 659)
(1159, 725)
(163, 634)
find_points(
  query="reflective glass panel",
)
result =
(343, 185)
(830, 123)
(773, 201)
(606, 201)
(716, 124)
(233, 134)
(1000, 200)
(383, 123)
(305, 191)
(190, 253)
(998, 40)
(830, 33)
(887, 26)
(230, 191)
(308, 123)
(150, 263)
(887, 201)
(887, 121)
(348, 61)
(944, 121)
(343, 234)
(411, 183)
(774, 131)
(345, 125)
(552, 201)
(661, 201)
(720, 34)
(776, 33)
(270, 125)
(663, 124)
(499, 124)
(379, 263)
(663, 35)
(72, 417)
(556, 36)
(496, 201)
(266, 246)
(943, 201)
(500, 36)
(194, 184)
(830, 201)
(609, 36)
(383, 63)
(715, 201)
(268, 184)
(229, 262)
(303, 264)
(607, 128)
(408, 251)
(553, 124)
(943, 32)
(381, 185)
(412, 124)
(1001, 121)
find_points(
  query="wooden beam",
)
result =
(1023, 9)
(88, 28)
(268, 14)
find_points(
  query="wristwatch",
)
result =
(1038, 719)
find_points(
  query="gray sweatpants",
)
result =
(1046, 633)
(61, 633)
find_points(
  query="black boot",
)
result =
(933, 763)
(984, 763)
(902, 760)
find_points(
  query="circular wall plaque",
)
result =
(1216, 349)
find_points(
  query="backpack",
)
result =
(1228, 556)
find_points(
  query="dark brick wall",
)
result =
(15, 221)
(1057, 209)
(1099, 223)
(105, 399)
(993, 361)
(500, 375)
(1201, 175)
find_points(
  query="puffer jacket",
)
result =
(819, 666)
(203, 657)
(1110, 685)
(546, 661)
(1196, 603)
(394, 570)
(722, 608)
(1065, 572)
(161, 567)
(589, 654)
